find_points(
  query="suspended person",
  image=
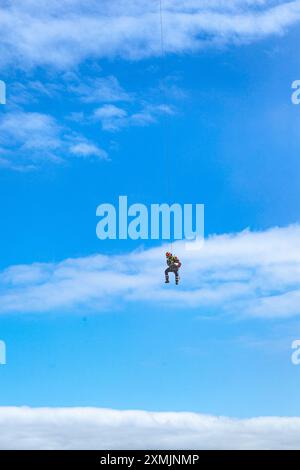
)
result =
(173, 267)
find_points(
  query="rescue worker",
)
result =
(173, 267)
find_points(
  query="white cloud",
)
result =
(114, 118)
(97, 428)
(85, 149)
(65, 33)
(246, 274)
(103, 89)
(30, 130)
(111, 116)
(30, 139)
(21, 94)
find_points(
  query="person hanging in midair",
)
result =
(173, 267)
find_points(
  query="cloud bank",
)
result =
(96, 428)
(66, 32)
(247, 273)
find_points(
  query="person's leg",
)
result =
(167, 275)
(176, 277)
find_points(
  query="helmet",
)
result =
(168, 254)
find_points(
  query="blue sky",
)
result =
(87, 120)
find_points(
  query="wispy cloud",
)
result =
(31, 130)
(98, 89)
(22, 94)
(111, 116)
(114, 118)
(245, 274)
(65, 33)
(98, 428)
(30, 139)
(85, 149)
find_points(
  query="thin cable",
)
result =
(164, 127)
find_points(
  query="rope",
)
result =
(165, 151)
